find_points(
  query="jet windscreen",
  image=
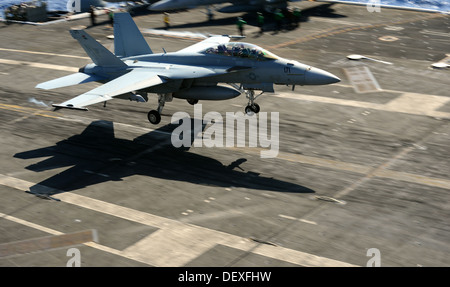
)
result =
(242, 50)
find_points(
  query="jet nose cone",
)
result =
(315, 76)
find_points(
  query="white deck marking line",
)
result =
(46, 243)
(327, 163)
(176, 243)
(215, 214)
(362, 79)
(76, 119)
(428, 109)
(294, 256)
(117, 125)
(30, 224)
(413, 178)
(55, 232)
(297, 219)
(417, 103)
(43, 53)
(323, 19)
(381, 171)
(198, 238)
(39, 65)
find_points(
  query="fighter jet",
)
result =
(237, 5)
(193, 73)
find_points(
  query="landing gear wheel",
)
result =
(249, 110)
(252, 109)
(192, 101)
(154, 117)
(256, 108)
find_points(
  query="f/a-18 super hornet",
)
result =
(213, 69)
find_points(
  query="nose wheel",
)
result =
(192, 101)
(252, 107)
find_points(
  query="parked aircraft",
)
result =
(237, 5)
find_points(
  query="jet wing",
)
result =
(135, 80)
(211, 41)
(141, 78)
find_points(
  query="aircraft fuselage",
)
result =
(245, 71)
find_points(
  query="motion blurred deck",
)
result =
(362, 164)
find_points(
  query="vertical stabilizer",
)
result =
(128, 40)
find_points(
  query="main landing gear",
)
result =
(252, 107)
(154, 116)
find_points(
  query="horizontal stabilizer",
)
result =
(96, 51)
(70, 80)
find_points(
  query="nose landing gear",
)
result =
(192, 101)
(252, 107)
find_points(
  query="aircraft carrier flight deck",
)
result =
(362, 164)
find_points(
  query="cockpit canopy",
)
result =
(242, 50)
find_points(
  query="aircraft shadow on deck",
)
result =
(96, 156)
